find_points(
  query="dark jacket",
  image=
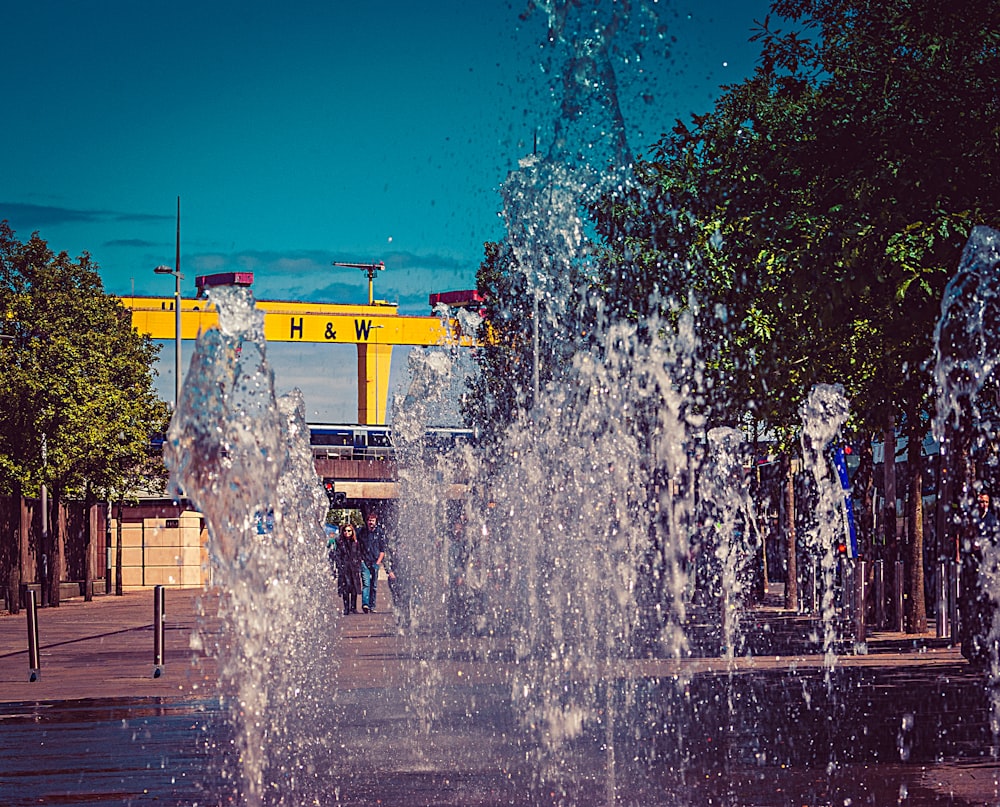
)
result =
(976, 606)
(348, 566)
(373, 543)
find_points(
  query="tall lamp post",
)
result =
(166, 270)
(178, 277)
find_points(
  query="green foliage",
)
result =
(505, 382)
(822, 205)
(809, 221)
(510, 357)
(75, 378)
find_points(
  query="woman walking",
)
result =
(349, 568)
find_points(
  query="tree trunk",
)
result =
(890, 548)
(916, 605)
(13, 582)
(862, 489)
(17, 554)
(761, 533)
(57, 544)
(792, 577)
(889, 480)
(947, 546)
(24, 540)
(955, 508)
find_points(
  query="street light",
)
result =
(163, 269)
(166, 270)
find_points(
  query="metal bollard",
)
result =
(943, 624)
(878, 574)
(159, 613)
(954, 589)
(860, 606)
(899, 591)
(45, 572)
(34, 652)
(845, 594)
(809, 601)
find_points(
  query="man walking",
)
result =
(976, 608)
(373, 544)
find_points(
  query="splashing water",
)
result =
(727, 517)
(242, 457)
(967, 337)
(967, 346)
(573, 545)
(823, 414)
(568, 550)
(573, 540)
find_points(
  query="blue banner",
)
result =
(850, 532)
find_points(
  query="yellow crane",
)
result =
(374, 328)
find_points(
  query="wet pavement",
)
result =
(104, 649)
(906, 724)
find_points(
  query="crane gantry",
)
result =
(375, 328)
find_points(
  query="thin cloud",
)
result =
(33, 217)
(273, 288)
(432, 263)
(309, 275)
(141, 217)
(302, 262)
(132, 242)
(418, 302)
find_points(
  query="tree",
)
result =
(77, 402)
(821, 207)
(505, 382)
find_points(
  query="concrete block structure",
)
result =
(162, 544)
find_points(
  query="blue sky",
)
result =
(300, 133)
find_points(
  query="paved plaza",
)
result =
(104, 648)
(908, 723)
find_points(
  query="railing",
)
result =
(374, 443)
